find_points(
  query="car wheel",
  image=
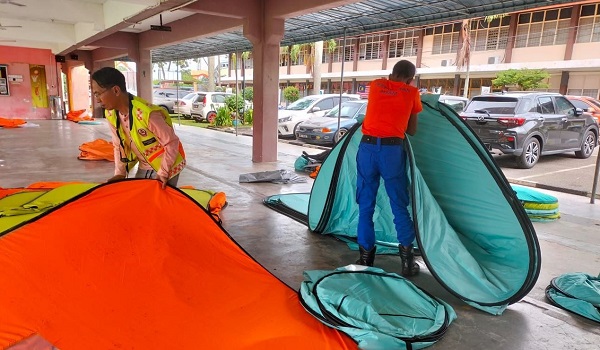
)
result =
(210, 117)
(587, 146)
(339, 134)
(196, 118)
(295, 130)
(531, 154)
(165, 108)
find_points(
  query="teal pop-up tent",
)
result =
(472, 231)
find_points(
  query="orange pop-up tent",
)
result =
(130, 265)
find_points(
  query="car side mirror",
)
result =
(360, 117)
(578, 111)
(316, 109)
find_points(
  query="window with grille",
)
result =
(370, 47)
(346, 52)
(445, 38)
(283, 57)
(543, 28)
(493, 35)
(589, 24)
(403, 43)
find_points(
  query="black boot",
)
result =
(367, 257)
(409, 266)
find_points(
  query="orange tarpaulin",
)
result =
(11, 123)
(78, 115)
(150, 269)
(98, 149)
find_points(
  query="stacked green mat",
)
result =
(538, 206)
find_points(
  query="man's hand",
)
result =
(164, 180)
(116, 178)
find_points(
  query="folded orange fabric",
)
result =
(11, 123)
(98, 149)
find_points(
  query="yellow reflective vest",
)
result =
(145, 141)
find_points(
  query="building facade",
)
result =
(563, 40)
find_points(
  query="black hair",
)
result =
(404, 69)
(108, 77)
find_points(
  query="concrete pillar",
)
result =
(317, 67)
(144, 75)
(573, 25)
(265, 34)
(564, 82)
(512, 33)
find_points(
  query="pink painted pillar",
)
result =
(144, 75)
(265, 35)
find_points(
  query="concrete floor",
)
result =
(48, 152)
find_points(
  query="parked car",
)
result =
(324, 130)
(307, 107)
(206, 105)
(167, 98)
(588, 104)
(458, 103)
(184, 105)
(530, 125)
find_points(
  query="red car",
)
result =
(588, 104)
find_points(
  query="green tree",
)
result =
(525, 79)
(291, 93)
(248, 93)
(186, 75)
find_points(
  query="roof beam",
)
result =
(223, 8)
(288, 9)
(188, 29)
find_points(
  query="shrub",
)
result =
(223, 117)
(249, 117)
(230, 103)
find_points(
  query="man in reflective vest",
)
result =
(141, 132)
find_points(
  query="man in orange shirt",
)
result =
(392, 112)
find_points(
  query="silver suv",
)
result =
(531, 124)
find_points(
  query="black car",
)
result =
(531, 124)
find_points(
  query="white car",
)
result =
(305, 108)
(167, 98)
(184, 106)
(206, 105)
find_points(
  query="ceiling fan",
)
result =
(10, 2)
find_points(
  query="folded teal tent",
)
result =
(473, 232)
(576, 292)
(379, 310)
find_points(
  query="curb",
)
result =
(553, 188)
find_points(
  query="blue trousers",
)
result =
(387, 162)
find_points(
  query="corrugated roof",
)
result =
(359, 18)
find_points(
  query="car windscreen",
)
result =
(300, 104)
(348, 110)
(492, 105)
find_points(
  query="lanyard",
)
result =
(118, 126)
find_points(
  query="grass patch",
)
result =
(176, 120)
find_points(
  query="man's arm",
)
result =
(411, 129)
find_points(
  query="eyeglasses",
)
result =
(98, 94)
